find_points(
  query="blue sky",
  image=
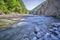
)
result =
(30, 4)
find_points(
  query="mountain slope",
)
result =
(34, 11)
(50, 8)
(8, 6)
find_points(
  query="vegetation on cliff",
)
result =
(8, 6)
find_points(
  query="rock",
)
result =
(37, 29)
(47, 36)
(31, 35)
(48, 8)
(54, 37)
(54, 29)
(34, 38)
(40, 39)
(26, 39)
(56, 25)
(59, 29)
(58, 36)
(55, 33)
(40, 34)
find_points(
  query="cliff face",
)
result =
(50, 8)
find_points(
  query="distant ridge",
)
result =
(37, 8)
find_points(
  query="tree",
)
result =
(8, 6)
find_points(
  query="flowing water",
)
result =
(33, 28)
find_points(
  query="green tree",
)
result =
(8, 6)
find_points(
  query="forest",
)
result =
(9, 6)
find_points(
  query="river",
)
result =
(33, 28)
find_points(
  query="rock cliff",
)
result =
(49, 8)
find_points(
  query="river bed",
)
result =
(32, 28)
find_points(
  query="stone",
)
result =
(26, 39)
(47, 36)
(53, 29)
(50, 37)
(58, 36)
(40, 34)
(54, 37)
(40, 39)
(37, 29)
(48, 8)
(34, 38)
(56, 25)
(31, 35)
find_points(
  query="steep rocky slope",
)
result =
(49, 8)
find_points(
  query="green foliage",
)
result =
(8, 6)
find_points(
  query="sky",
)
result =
(30, 4)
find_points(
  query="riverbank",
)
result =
(10, 19)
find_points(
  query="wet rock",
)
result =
(31, 35)
(34, 38)
(40, 35)
(36, 29)
(47, 36)
(25, 39)
(52, 30)
(54, 37)
(56, 25)
(40, 39)
(50, 37)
